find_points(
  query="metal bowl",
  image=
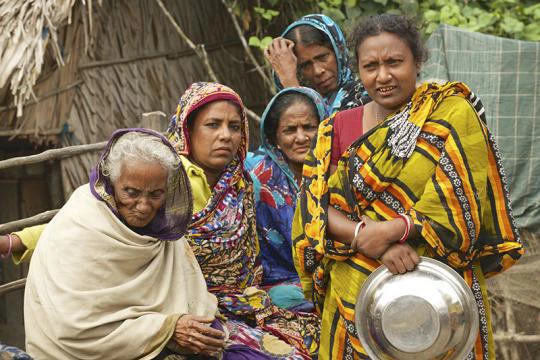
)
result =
(428, 313)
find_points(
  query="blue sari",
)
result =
(350, 92)
(275, 198)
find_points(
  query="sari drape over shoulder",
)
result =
(224, 239)
(99, 289)
(223, 234)
(434, 160)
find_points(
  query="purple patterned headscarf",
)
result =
(172, 220)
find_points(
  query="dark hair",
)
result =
(281, 104)
(307, 35)
(403, 27)
(193, 115)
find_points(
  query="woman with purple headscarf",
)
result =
(107, 280)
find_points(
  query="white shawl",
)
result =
(98, 290)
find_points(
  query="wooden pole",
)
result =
(11, 132)
(510, 328)
(200, 50)
(11, 286)
(31, 221)
(516, 338)
(246, 47)
(155, 120)
(53, 154)
(168, 54)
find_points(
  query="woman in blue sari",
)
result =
(287, 126)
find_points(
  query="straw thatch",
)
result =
(128, 62)
(26, 28)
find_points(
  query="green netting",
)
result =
(505, 74)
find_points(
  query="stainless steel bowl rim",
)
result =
(433, 273)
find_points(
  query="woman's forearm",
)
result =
(374, 238)
(288, 81)
(15, 246)
(340, 228)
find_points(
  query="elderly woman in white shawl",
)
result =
(104, 281)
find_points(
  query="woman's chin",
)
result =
(138, 223)
(297, 161)
(326, 91)
(220, 163)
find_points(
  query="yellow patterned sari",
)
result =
(433, 160)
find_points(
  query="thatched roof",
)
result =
(26, 29)
(131, 62)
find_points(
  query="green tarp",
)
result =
(505, 74)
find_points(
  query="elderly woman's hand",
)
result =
(400, 258)
(281, 56)
(194, 333)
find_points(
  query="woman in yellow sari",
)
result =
(424, 179)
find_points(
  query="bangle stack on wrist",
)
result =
(408, 226)
(10, 237)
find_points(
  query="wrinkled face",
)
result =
(215, 135)
(140, 191)
(387, 69)
(297, 126)
(318, 66)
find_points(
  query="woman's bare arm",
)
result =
(16, 246)
(281, 56)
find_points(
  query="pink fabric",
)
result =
(347, 128)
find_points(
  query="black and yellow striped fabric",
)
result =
(433, 160)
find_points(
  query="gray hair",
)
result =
(140, 147)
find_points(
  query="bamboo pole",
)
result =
(199, 48)
(53, 154)
(511, 329)
(516, 338)
(201, 52)
(11, 286)
(10, 133)
(155, 120)
(246, 47)
(38, 219)
(168, 54)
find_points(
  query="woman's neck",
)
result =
(296, 170)
(212, 175)
(374, 114)
(381, 112)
